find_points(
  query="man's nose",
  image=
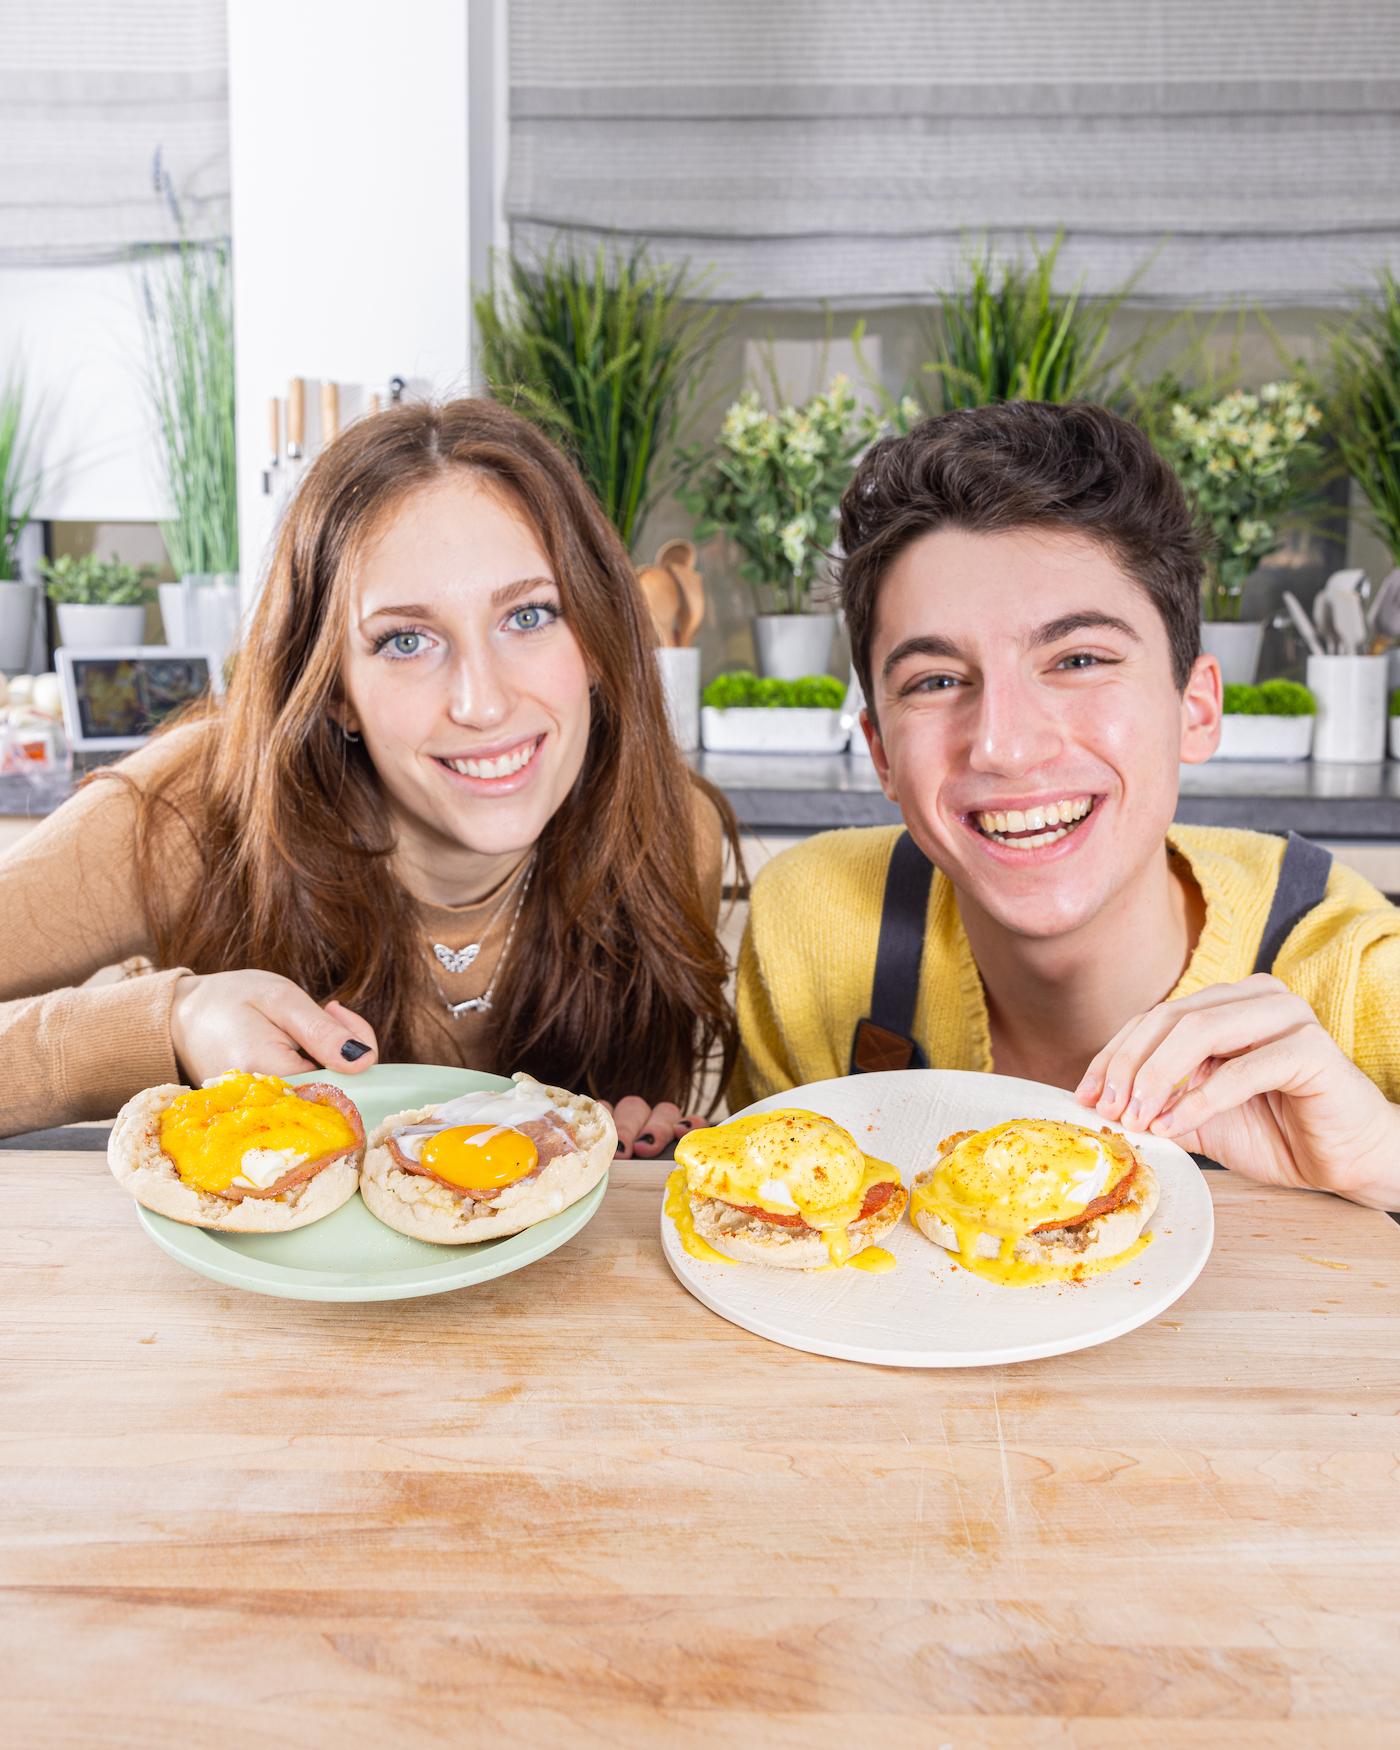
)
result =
(1013, 732)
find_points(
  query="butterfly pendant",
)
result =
(456, 959)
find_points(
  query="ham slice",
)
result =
(320, 1094)
(550, 1137)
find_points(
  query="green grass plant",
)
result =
(607, 357)
(19, 479)
(190, 377)
(92, 582)
(1363, 404)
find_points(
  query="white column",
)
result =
(348, 139)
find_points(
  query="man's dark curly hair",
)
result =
(1016, 465)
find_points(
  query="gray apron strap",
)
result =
(1302, 884)
(884, 1039)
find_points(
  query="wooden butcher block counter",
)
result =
(572, 1506)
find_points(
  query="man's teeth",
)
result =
(1035, 826)
(501, 767)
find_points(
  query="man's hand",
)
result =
(1247, 1074)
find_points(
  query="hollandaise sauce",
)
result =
(247, 1128)
(678, 1208)
(1006, 1182)
(874, 1260)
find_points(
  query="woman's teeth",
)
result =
(500, 767)
(1034, 826)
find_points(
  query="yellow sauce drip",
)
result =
(1006, 1267)
(207, 1132)
(678, 1208)
(875, 1260)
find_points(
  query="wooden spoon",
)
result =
(664, 602)
(678, 557)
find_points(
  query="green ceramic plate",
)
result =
(350, 1255)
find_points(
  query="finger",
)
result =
(657, 1134)
(1098, 1078)
(357, 1032)
(690, 1122)
(629, 1115)
(323, 1036)
(1238, 1079)
(1200, 1036)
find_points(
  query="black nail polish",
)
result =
(647, 1138)
(353, 1050)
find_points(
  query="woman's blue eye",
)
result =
(405, 643)
(533, 616)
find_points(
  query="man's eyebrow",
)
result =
(1087, 620)
(926, 644)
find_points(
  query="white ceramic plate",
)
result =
(929, 1311)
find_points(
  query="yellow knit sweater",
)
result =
(808, 959)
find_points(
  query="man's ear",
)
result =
(1201, 712)
(879, 758)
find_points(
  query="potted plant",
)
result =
(742, 713)
(101, 603)
(1395, 724)
(773, 486)
(19, 488)
(1004, 333)
(606, 356)
(190, 377)
(1273, 721)
(1240, 459)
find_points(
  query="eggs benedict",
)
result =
(245, 1153)
(787, 1188)
(1036, 1200)
(486, 1164)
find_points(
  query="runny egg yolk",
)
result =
(208, 1131)
(480, 1157)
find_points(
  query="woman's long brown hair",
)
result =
(615, 981)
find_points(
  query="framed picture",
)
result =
(114, 699)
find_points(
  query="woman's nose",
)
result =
(482, 696)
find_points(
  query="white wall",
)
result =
(349, 155)
(76, 333)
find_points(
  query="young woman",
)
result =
(439, 816)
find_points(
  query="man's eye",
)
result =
(533, 617)
(935, 683)
(1081, 659)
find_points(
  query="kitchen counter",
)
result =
(806, 793)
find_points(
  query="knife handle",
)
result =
(296, 416)
(330, 412)
(274, 428)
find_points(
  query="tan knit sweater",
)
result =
(70, 908)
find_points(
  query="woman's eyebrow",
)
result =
(508, 591)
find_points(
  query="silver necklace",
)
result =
(459, 959)
(482, 1004)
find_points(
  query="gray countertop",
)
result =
(798, 793)
(810, 792)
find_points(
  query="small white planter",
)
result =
(1265, 738)
(1235, 645)
(680, 685)
(1395, 738)
(18, 612)
(772, 729)
(1350, 694)
(792, 646)
(100, 626)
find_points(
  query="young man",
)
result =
(1022, 588)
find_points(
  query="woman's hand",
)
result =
(262, 1022)
(1247, 1074)
(645, 1131)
